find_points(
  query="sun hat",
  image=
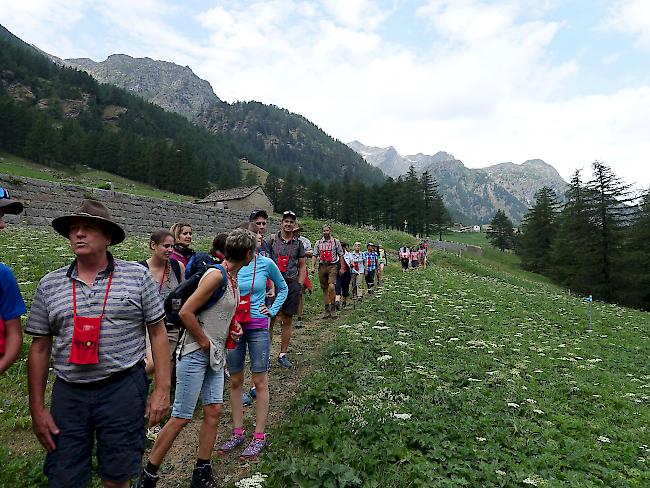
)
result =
(7, 205)
(256, 213)
(94, 210)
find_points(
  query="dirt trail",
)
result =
(306, 346)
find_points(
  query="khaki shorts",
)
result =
(326, 274)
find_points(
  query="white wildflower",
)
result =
(538, 411)
(513, 405)
(603, 439)
(481, 439)
(402, 416)
(255, 481)
(384, 358)
(400, 343)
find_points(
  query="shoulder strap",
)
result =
(144, 263)
(176, 268)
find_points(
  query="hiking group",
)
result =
(106, 324)
(415, 257)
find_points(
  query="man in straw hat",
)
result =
(91, 318)
(12, 305)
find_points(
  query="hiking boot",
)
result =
(326, 312)
(202, 477)
(253, 392)
(146, 480)
(230, 444)
(252, 451)
(284, 361)
(298, 324)
(333, 311)
(338, 306)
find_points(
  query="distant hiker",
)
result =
(254, 316)
(415, 257)
(327, 251)
(357, 271)
(422, 256)
(370, 264)
(12, 305)
(91, 316)
(306, 243)
(201, 360)
(289, 255)
(182, 233)
(342, 287)
(381, 263)
(168, 274)
(404, 257)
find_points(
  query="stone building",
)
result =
(244, 199)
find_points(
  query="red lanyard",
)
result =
(232, 282)
(290, 247)
(162, 280)
(74, 296)
(254, 271)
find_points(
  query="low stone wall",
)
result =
(45, 200)
(456, 247)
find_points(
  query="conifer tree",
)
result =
(501, 234)
(610, 212)
(440, 217)
(636, 262)
(538, 231)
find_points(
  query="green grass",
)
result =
(83, 176)
(467, 375)
(34, 252)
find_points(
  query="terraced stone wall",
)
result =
(45, 200)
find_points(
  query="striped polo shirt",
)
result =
(133, 303)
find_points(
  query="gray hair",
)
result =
(238, 243)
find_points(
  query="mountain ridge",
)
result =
(274, 138)
(473, 195)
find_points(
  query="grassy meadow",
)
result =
(473, 373)
(469, 373)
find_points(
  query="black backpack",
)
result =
(177, 298)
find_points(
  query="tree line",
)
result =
(110, 130)
(411, 202)
(597, 243)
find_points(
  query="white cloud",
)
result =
(631, 17)
(484, 89)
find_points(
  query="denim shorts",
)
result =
(112, 411)
(193, 376)
(259, 348)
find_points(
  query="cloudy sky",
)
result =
(567, 81)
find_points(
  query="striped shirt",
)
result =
(133, 302)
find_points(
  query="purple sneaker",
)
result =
(232, 443)
(252, 451)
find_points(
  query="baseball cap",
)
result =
(7, 205)
(256, 213)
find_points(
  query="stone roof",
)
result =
(229, 194)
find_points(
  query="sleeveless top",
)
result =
(215, 321)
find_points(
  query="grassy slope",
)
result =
(473, 373)
(84, 176)
(34, 252)
(261, 174)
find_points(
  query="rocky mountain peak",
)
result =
(173, 87)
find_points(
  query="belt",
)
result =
(113, 378)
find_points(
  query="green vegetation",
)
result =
(83, 176)
(51, 114)
(597, 243)
(465, 374)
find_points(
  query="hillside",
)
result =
(472, 195)
(57, 115)
(270, 136)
